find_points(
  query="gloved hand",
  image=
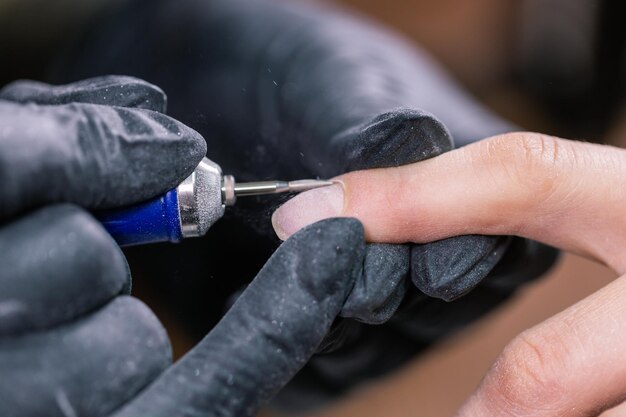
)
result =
(72, 343)
(282, 90)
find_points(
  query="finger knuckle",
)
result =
(529, 158)
(526, 167)
(526, 373)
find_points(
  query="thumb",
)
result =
(563, 193)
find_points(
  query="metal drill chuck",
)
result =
(200, 199)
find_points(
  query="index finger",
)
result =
(563, 193)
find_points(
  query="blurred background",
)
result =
(555, 66)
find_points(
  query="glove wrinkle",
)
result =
(391, 139)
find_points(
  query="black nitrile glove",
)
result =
(286, 90)
(72, 343)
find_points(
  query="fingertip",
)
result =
(277, 225)
(308, 208)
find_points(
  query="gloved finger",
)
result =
(85, 368)
(385, 140)
(464, 268)
(379, 290)
(57, 264)
(268, 334)
(94, 156)
(109, 90)
(571, 364)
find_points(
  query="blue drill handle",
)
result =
(157, 220)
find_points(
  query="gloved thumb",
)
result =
(270, 332)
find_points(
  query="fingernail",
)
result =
(306, 208)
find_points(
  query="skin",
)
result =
(567, 194)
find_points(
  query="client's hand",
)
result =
(567, 194)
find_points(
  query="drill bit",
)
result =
(231, 190)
